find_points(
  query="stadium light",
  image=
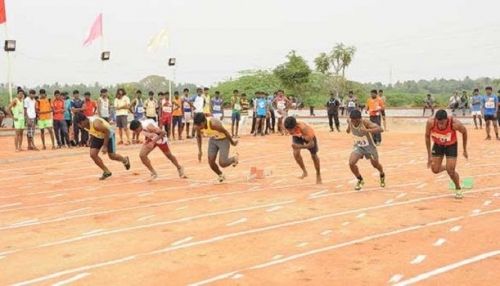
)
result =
(171, 62)
(105, 56)
(10, 46)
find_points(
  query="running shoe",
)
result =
(359, 185)
(182, 175)
(105, 175)
(221, 178)
(236, 159)
(153, 177)
(382, 182)
(459, 194)
(127, 163)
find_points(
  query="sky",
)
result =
(213, 40)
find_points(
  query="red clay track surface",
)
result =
(60, 225)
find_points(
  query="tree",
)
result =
(294, 74)
(339, 59)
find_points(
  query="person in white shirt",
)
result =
(155, 137)
(122, 105)
(103, 106)
(30, 114)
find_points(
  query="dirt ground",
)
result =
(60, 225)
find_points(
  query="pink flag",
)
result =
(95, 31)
(3, 14)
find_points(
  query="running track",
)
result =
(59, 225)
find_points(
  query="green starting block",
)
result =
(467, 183)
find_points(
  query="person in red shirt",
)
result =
(374, 106)
(60, 126)
(442, 130)
(89, 109)
(303, 137)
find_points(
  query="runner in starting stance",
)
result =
(362, 131)
(155, 137)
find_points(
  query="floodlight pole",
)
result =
(9, 69)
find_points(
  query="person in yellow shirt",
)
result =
(218, 143)
(177, 116)
(374, 106)
(207, 107)
(102, 137)
(122, 105)
(44, 113)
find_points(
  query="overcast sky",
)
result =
(214, 39)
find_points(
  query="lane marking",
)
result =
(25, 222)
(395, 278)
(273, 209)
(487, 203)
(237, 276)
(455, 228)
(145, 217)
(476, 211)
(361, 215)
(10, 205)
(213, 199)
(302, 244)
(241, 220)
(145, 194)
(182, 241)
(55, 196)
(421, 186)
(318, 193)
(446, 268)
(345, 223)
(389, 201)
(278, 256)
(93, 231)
(181, 208)
(77, 210)
(339, 186)
(401, 195)
(326, 232)
(79, 269)
(419, 259)
(72, 279)
(439, 242)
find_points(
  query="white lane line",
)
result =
(439, 242)
(72, 279)
(345, 223)
(327, 248)
(241, 220)
(361, 215)
(77, 210)
(419, 259)
(302, 244)
(93, 231)
(389, 201)
(487, 203)
(279, 256)
(278, 182)
(446, 268)
(237, 276)
(8, 252)
(326, 232)
(25, 222)
(161, 223)
(145, 194)
(401, 195)
(181, 208)
(273, 209)
(182, 241)
(224, 237)
(395, 278)
(55, 196)
(74, 270)
(421, 186)
(145, 218)
(213, 199)
(10, 205)
(455, 228)
(318, 193)
(496, 194)
(476, 211)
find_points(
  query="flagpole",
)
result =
(9, 69)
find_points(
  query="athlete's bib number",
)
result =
(140, 109)
(351, 104)
(167, 109)
(216, 107)
(281, 105)
(237, 107)
(362, 143)
(489, 104)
